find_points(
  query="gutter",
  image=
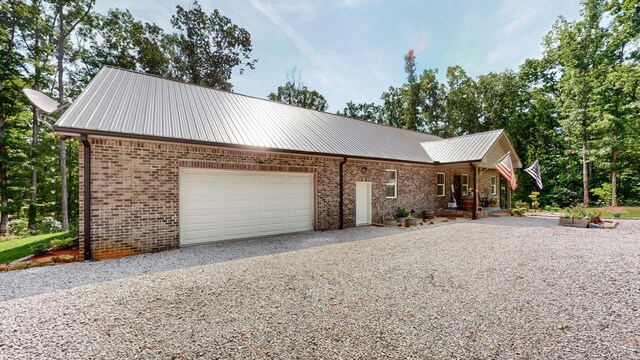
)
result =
(73, 132)
(87, 196)
(344, 161)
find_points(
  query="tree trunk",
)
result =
(4, 218)
(585, 175)
(63, 148)
(4, 188)
(614, 181)
(34, 172)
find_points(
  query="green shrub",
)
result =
(603, 193)
(519, 211)
(520, 203)
(402, 213)
(576, 212)
(47, 225)
(63, 244)
(19, 227)
(40, 249)
(594, 216)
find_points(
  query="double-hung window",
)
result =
(494, 185)
(441, 184)
(391, 185)
(465, 184)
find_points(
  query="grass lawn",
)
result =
(632, 212)
(18, 248)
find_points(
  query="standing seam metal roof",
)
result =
(129, 103)
(471, 147)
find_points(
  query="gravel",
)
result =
(18, 284)
(492, 288)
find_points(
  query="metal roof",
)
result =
(462, 148)
(123, 102)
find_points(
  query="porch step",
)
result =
(500, 214)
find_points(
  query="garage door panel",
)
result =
(202, 219)
(238, 230)
(199, 236)
(222, 205)
(270, 216)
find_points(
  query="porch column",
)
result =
(508, 196)
(499, 191)
(474, 215)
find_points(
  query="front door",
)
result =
(363, 203)
(457, 186)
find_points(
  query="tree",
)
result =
(294, 92)
(364, 111)
(576, 50)
(411, 112)
(10, 104)
(433, 95)
(616, 96)
(67, 23)
(392, 110)
(36, 30)
(462, 104)
(206, 48)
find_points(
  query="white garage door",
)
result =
(221, 205)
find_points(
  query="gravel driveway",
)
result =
(492, 288)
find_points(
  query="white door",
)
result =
(222, 205)
(363, 203)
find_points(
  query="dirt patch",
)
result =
(56, 253)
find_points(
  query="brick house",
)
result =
(167, 164)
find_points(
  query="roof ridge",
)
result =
(267, 100)
(466, 135)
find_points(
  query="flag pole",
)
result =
(503, 156)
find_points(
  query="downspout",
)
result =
(344, 160)
(475, 192)
(87, 197)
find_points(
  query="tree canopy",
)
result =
(294, 92)
(57, 46)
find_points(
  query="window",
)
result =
(465, 184)
(440, 184)
(494, 185)
(391, 186)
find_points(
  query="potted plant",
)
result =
(401, 214)
(575, 216)
(428, 214)
(411, 220)
(594, 216)
(518, 211)
(493, 202)
(522, 205)
(616, 211)
(390, 220)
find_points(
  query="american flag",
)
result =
(505, 168)
(534, 171)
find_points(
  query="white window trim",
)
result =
(494, 185)
(444, 184)
(394, 183)
(465, 187)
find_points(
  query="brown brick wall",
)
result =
(449, 172)
(415, 187)
(485, 183)
(135, 187)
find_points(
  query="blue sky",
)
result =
(353, 49)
